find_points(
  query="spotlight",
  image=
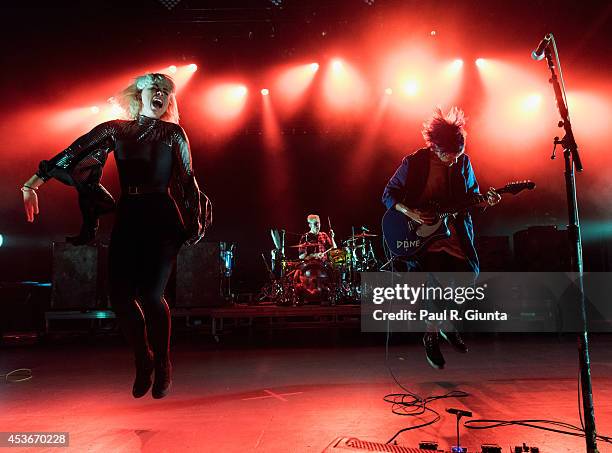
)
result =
(411, 88)
(457, 64)
(265, 91)
(1, 240)
(192, 67)
(95, 109)
(369, 2)
(314, 67)
(336, 65)
(388, 91)
(278, 3)
(172, 69)
(433, 33)
(481, 62)
(532, 102)
(241, 90)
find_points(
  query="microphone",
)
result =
(459, 412)
(538, 53)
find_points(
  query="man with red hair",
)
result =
(439, 172)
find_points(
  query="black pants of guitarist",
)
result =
(439, 262)
(144, 244)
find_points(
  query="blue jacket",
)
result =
(408, 182)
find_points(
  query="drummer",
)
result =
(318, 241)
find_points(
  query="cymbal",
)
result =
(304, 245)
(361, 236)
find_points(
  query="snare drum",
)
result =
(339, 258)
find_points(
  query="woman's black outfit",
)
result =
(158, 211)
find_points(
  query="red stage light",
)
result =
(481, 62)
(336, 65)
(291, 85)
(95, 109)
(225, 101)
(265, 91)
(172, 69)
(410, 87)
(531, 103)
(344, 88)
(192, 67)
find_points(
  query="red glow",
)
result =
(455, 66)
(343, 87)
(224, 102)
(292, 83)
(265, 92)
(181, 74)
(420, 80)
(590, 114)
(514, 109)
(272, 137)
(410, 87)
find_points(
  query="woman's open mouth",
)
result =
(157, 103)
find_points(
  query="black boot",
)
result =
(455, 340)
(163, 377)
(144, 370)
(432, 350)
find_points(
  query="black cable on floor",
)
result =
(410, 404)
(18, 375)
(569, 429)
(577, 431)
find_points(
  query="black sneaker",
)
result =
(163, 378)
(455, 340)
(144, 370)
(432, 350)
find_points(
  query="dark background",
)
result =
(50, 53)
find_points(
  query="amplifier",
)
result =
(542, 249)
(79, 276)
(199, 279)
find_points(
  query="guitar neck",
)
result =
(473, 200)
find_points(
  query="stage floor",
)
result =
(299, 397)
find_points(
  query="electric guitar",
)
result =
(405, 237)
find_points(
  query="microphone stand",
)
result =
(572, 161)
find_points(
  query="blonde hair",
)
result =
(130, 99)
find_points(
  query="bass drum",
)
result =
(312, 280)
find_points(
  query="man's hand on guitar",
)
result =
(493, 197)
(424, 216)
(418, 215)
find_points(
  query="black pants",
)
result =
(440, 262)
(144, 244)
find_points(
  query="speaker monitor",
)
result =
(542, 249)
(198, 276)
(78, 277)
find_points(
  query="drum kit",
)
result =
(328, 278)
